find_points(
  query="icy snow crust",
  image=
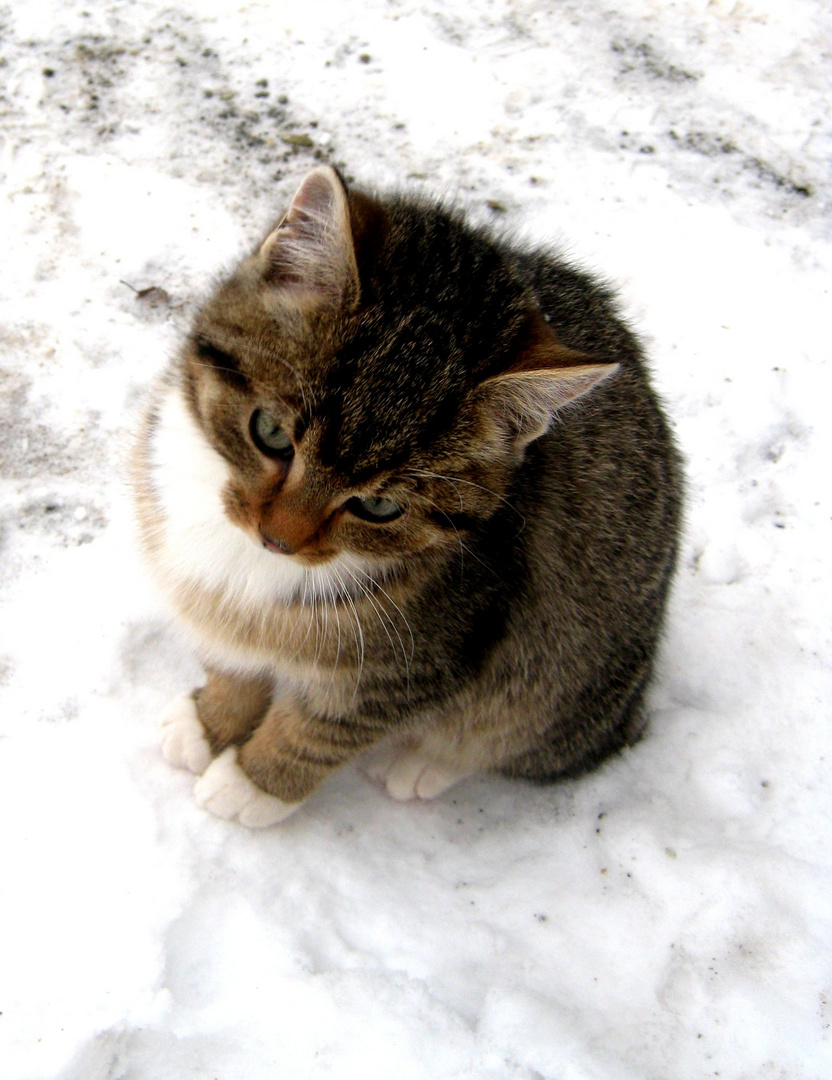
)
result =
(669, 916)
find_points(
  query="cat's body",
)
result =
(366, 491)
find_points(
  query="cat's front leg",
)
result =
(198, 725)
(287, 757)
(231, 706)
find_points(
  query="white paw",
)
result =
(412, 774)
(227, 792)
(183, 736)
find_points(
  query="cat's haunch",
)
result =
(410, 489)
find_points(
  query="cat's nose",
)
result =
(274, 544)
(287, 528)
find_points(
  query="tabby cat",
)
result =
(409, 487)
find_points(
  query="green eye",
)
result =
(374, 508)
(269, 437)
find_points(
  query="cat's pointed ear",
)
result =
(310, 255)
(544, 376)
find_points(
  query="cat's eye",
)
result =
(269, 437)
(374, 508)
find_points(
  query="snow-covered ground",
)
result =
(668, 917)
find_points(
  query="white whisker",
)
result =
(358, 633)
(384, 592)
(380, 610)
(469, 483)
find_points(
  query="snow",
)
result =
(669, 915)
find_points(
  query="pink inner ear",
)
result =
(544, 376)
(315, 195)
(311, 253)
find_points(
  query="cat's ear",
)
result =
(544, 376)
(310, 256)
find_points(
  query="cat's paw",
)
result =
(227, 792)
(412, 774)
(183, 736)
(378, 761)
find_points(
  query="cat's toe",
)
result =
(415, 776)
(436, 779)
(402, 776)
(183, 736)
(227, 792)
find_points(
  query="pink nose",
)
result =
(285, 528)
(274, 544)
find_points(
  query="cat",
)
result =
(409, 488)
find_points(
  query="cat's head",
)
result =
(373, 375)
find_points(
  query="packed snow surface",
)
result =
(668, 917)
